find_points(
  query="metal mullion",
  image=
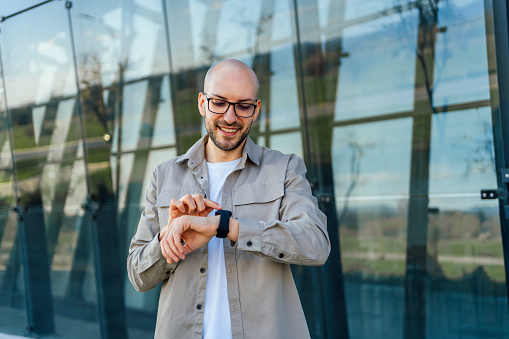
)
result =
(499, 11)
(413, 113)
(3, 18)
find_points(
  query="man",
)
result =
(228, 275)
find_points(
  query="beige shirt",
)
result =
(279, 224)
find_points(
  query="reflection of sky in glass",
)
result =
(379, 152)
(126, 167)
(378, 76)
(164, 130)
(36, 57)
(237, 26)
(98, 38)
(461, 159)
(461, 60)
(77, 191)
(132, 110)
(197, 15)
(282, 20)
(144, 35)
(8, 7)
(284, 103)
(356, 8)
(37, 119)
(287, 143)
(323, 12)
(52, 173)
(61, 128)
(155, 158)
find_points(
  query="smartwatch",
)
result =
(224, 223)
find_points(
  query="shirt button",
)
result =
(281, 255)
(202, 270)
(249, 243)
(198, 307)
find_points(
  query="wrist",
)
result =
(233, 235)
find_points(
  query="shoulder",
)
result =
(169, 167)
(270, 156)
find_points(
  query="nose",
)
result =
(229, 116)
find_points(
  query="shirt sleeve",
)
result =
(300, 236)
(146, 265)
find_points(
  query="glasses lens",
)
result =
(244, 110)
(218, 106)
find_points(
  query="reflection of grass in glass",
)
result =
(65, 249)
(457, 271)
(379, 266)
(390, 245)
(472, 247)
(390, 267)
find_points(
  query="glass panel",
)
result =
(12, 285)
(461, 59)
(377, 73)
(98, 36)
(144, 47)
(12, 288)
(404, 150)
(133, 105)
(135, 205)
(284, 103)
(11, 7)
(164, 129)
(464, 239)
(371, 165)
(41, 90)
(355, 8)
(287, 143)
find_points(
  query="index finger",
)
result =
(213, 204)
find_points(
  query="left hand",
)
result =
(195, 231)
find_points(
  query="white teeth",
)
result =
(228, 130)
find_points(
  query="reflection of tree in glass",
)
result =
(428, 18)
(254, 30)
(482, 158)
(357, 152)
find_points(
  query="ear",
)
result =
(257, 110)
(201, 103)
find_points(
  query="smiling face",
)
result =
(235, 82)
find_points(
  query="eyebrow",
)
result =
(225, 99)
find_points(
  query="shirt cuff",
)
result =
(250, 235)
(154, 249)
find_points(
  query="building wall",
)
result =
(392, 104)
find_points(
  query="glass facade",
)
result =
(398, 108)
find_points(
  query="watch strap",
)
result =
(224, 223)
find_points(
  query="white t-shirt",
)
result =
(216, 322)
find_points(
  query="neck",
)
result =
(215, 154)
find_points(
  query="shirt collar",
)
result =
(196, 154)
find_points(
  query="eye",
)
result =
(218, 102)
(244, 107)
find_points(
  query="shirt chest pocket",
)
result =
(258, 201)
(163, 202)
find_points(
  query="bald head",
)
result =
(231, 73)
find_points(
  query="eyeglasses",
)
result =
(241, 109)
